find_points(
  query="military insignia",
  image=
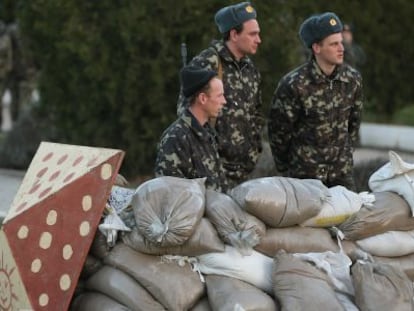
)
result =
(249, 9)
(332, 22)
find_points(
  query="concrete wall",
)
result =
(384, 136)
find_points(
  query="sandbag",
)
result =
(176, 287)
(389, 244)
(341, 204)
(123, 288)
(167, 209)
(202, 305)
(235, 227)
(281, 201)
(255, 269)
(404, 263)
(229, 294)
(91, 301)
(299, 285)
(90, 267)
(203, 240)
(296, 240)
(389, 212)
(336, 265)
(396, 176)
(381, 287)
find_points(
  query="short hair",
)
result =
(205, 89)
(238, 28)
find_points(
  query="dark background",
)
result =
(109, 68)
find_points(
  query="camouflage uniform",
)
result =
(314, 122)
(240, 125)
(189, 150)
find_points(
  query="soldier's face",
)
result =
(248, 40)
(330, 50)
(215, 98)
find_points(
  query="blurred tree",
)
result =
(110, 67)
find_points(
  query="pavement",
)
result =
(10, 180)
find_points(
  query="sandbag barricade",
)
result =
(251, 222)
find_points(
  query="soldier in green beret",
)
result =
(240, 126)
(316, 109)
(188, 147)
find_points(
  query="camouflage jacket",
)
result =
(240, 125)
(314, 121)
(189, 150)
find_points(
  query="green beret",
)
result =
(194, 79)
(231, 16)
(318, 27)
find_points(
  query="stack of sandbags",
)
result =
(156, 259)
(385, 230)
(243, 251)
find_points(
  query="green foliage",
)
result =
(404, 116)
(110, 67)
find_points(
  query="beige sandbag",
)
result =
(229, 294)
(299, 285)
(122, 288)
(389, 212)
(296, 240)
(176, 287)
(91, 301)
(91, 266)
(203, 240)
(281, 201)
(202, 305)
(404, 263)
(234, 226)
(381, 287)
(341, 204)
(389, 244)
(167, 209)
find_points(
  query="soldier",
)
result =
(188, 147)
(6, 66)
(240, 125)
(316, 109)
(354, 54)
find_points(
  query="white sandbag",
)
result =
(381, 287)
(397, 176)
(281, 201)
(341, 204)
(299, 285)
(225, 293)
(255, 269)
(389, 244)
(235, 227)
(167, 209)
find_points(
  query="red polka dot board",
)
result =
(51, 223)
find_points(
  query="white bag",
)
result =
(397, 176)
(341, 204)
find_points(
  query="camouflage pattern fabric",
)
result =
(314, 122)
(189, 150)
(240, 125)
